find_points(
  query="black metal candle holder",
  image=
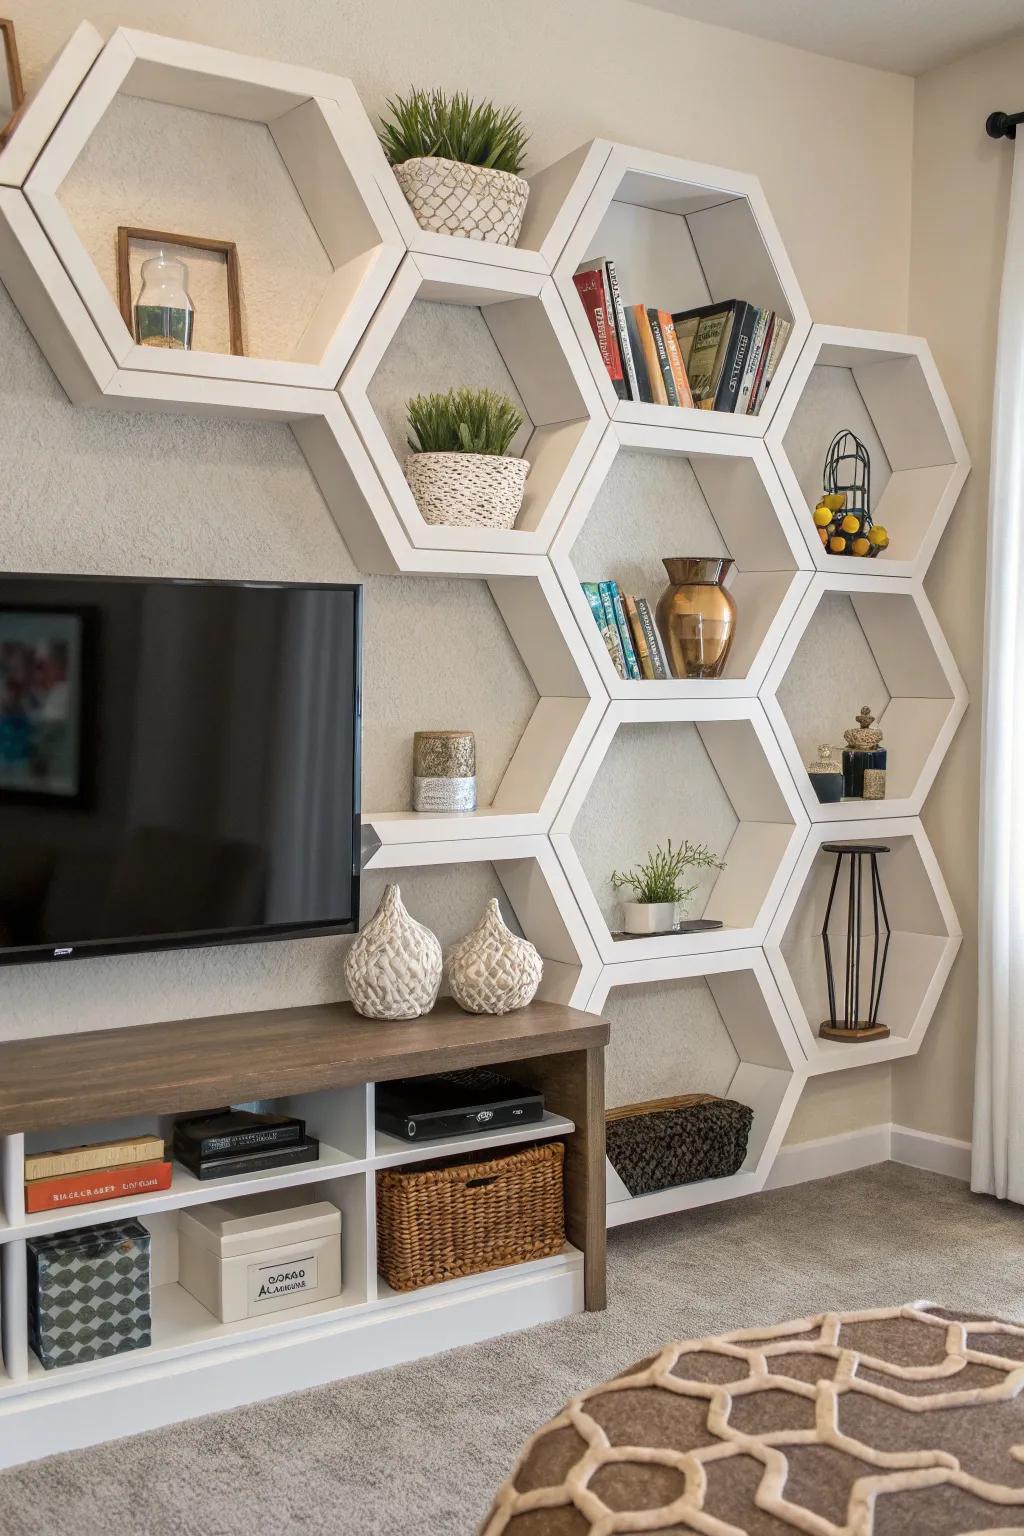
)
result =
(849, 1024)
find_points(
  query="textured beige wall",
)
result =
(961, 196)
(141, 494)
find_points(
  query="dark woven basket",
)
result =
(677, 1141)
(439, 1223)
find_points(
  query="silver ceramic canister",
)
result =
(444, 771)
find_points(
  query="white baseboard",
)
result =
(802, 1161)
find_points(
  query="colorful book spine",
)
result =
(590, 285)
(613, 605)
(99, 1184)
(644, 385)
(675, 358)
(710, 342)
(649, 353)
(609, 632)
(755, 393)
(619, 316)
(736, 358)
(667, 378)
(643, 654)
(762, 316)
(782, 330)
(654, 646)
(101, 1154)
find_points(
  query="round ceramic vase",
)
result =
(393, 967)
(648, 916)
(492, 970)
(696, 616)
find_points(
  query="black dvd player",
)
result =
(454, 1104)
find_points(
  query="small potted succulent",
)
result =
(658, 888)
(458, 163)
(460, 470)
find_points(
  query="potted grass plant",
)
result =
(657, 886)
(458, 161)
(460, 470)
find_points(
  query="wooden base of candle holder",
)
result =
(855, 1032)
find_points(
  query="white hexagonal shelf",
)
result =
(655, 491)
(924, 939)
(446, 885)
(873, 640)
(885, 388)
(525, 346)
(681, 234)
(706, 1024)
(709, 771)
(41, 111)
(305, 149)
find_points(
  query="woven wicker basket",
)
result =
(677, 1141)
(437, 1224)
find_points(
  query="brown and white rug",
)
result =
(900, 1421)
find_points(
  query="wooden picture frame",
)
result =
(126, 234)
(14, 80)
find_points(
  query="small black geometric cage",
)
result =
(848, 469)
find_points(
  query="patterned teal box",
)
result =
(89, 1293)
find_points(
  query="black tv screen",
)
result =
(179, 763)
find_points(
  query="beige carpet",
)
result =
(424, 1447)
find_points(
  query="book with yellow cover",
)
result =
(64, 1161)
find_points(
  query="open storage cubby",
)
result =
(877, 640)
(681, 235)
(652, 492)
(711, 772)
(886, 389)
(710, 1024)
(925, 937)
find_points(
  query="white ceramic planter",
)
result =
(468, 490)
(469, 201)
(648, 916)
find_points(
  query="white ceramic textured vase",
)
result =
(393, 968)
(648, 916)
(473, 202)
(492, 970)
(467, 490)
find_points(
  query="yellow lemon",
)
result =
(835, 501)
(879, 536)
(850, 523)
(837, 543)
(822, 517)
(823, 535)
(860, 546)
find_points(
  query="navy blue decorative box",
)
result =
(89, 1293)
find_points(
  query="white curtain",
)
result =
(998, 1152)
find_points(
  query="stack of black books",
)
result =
(224, 1143)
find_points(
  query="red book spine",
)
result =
(100, 1184)
(590, 287)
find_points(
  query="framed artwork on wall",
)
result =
(44, 682)
(155, 289)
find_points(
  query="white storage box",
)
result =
(262, 1253)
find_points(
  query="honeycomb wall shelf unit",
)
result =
(767, 1070)
(925, 938)
(42, 110)
(885, 388)
(925, 696)
(314, 123)
(535, 343)
(733, 768)
(681, 234)
(655, 491)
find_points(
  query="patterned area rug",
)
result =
(900, 1421)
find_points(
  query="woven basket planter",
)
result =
(467, 490)
(677, 1141)
(469, 201)
(437, 1224)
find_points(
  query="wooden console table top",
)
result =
(186, 1064)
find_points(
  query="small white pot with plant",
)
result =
(657, 885)
(458, 161)
(460, 470)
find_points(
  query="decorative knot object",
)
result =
(467, 490)
(472, 202)
(861, 738)
(393, 968)
(444, 771)
(491, 970)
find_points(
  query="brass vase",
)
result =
(696, 616)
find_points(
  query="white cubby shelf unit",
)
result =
(885, 388)
(740, 758)
(197, 1364)
(926, 696)
(768, 1073)
(681, 234)
(703, 488)
(924, 940)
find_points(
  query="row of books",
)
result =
(220, 1144)
(628, 629)
(718, 357)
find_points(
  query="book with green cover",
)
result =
(709, 348)
(609, 631)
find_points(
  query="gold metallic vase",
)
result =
(696, 616)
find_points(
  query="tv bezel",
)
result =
(216, 938)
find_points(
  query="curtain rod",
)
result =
(1003, 125)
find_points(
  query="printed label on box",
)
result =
(269, 1280)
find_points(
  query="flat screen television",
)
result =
(179, 763)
